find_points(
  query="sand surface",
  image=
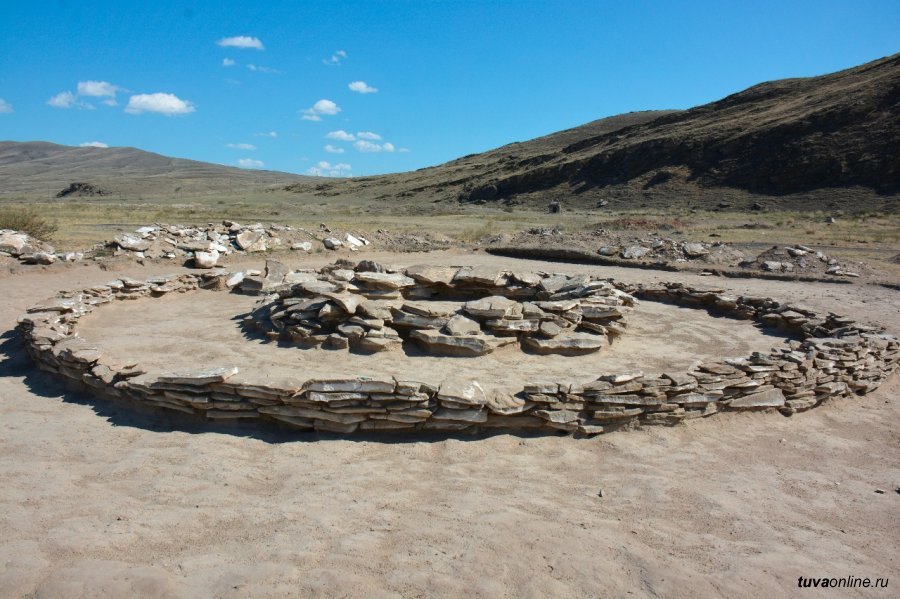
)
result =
(100, 500)
(203, 329)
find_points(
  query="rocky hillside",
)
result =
(817, 142)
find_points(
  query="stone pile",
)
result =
(207, 244)
(665, 250)
(447, 310)
(799, 259)
(831, 356)
(29, 250)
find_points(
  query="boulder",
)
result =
(469, 393)
(694, 250)
(275, 272)
(550, 329)
(13, 243)
(206, 259)
(354, 242)
(331, 243)
(38, 258)
(252, 240)
(608, 250)
(234, 279)
(460, 325)
(133, 244)
(303, 246)
(504, 403)
(634, 252)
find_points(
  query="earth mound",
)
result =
(82, 190)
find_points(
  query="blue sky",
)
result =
(431, 80)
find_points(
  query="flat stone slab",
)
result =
(495, 306)
(567, 343)
(470, 345)
(460, 325)
(480, 275)
(199, 377)
(773, 398)
(383, 280)
(465, 392)
(359, 385)
(432, 274)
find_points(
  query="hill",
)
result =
(826, 142)
(47, 169)
(817, 142)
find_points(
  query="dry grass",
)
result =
(874, 237)
(27, 220)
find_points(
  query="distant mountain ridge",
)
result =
(48, 168)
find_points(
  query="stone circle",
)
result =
(829, 356)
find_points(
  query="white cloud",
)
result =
(326, 107)
(241, 146)
(62, 100)
(362, 87)
(333, 150)
(267, 134)
(250, 163)
(97, 89)
(326, 169)
(403, 150)
(5, 107)
(336, 58)
(340, 135)
(368, 146)
(227, 62)
(241, 41)
(94, 144)
(262, 69)
(92, 89)
(167, 104)
(368, 135)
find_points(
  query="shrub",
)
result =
(28, 221)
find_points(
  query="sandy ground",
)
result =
(101, 500)
(156, 333)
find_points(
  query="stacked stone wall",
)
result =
(828, 356)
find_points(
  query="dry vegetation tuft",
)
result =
(28, 221)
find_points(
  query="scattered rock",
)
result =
(634, 252)
(206, 259)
